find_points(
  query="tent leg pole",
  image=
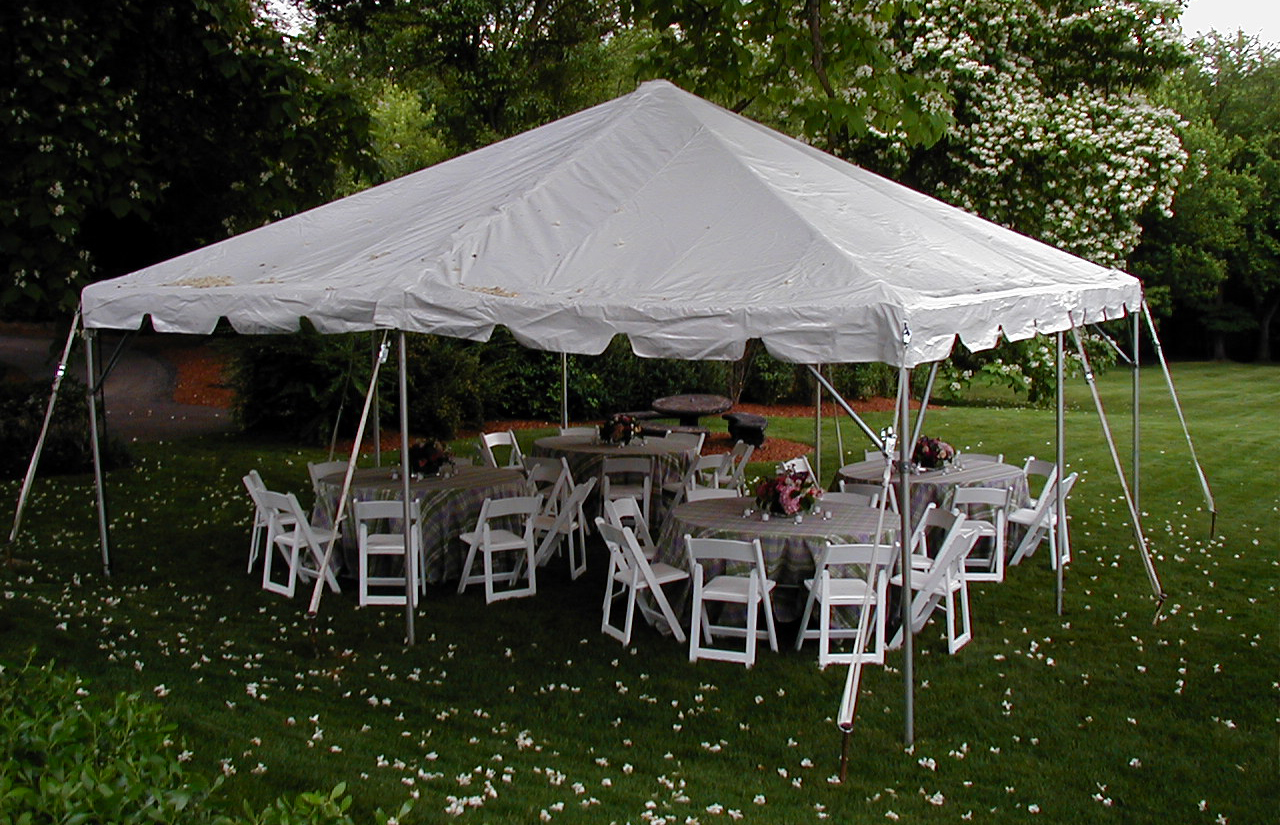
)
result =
(1137, 387)
(924, 403)
(377, 412)
(817, 430)
(30, 477)
(904, 557)
(410, 564)
(564, 389)
(1060, 535)
(844, 405)
(99, 485)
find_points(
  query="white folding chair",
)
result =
(872, 491)
(1041, 520)
(690, 442)
(703, 493)
(566, 523)
(732, 473)
(317, 470)
(1038, 468)
(626, 512)
(380, 534)
(840, 497)
(628, 477)
(751, 589)
(937, 576)
(849, 575)
(986, 512)
(799, 464)
(632, 573)
(490, 538)
(543, 474)
(703, 472)
(291, 537)
(582, 431)
(970, 459)
(505, 439)
(258, 531)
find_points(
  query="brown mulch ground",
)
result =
(202, 375)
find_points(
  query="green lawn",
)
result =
(524, 707)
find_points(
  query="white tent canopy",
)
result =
(657, 215)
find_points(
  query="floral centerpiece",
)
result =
(619, 429)
(787, 493)
(932, 453)
(427, 457)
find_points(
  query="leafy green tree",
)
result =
(485, 69)
(823, 69)
(1217, 255)
(135, 131)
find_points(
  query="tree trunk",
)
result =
(1264, 331)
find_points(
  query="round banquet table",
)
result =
(789, 549)
(450, 505)
(586, 455)
(689, 408)
(938, 486)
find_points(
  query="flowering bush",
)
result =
(787, 493)
(932, 452)
(619, 429)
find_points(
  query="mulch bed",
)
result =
(201, 380)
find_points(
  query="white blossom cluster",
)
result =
(1074, 165)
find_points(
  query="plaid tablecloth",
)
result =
(449, 506)
(938, 486)
(586, 457)
(789, 549)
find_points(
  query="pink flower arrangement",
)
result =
(932, 453)
(787, 494)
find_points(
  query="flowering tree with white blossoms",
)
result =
(1053, 132)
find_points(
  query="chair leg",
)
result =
(631, 612)
(466, 568)
(699, 619)
(801, 635)
(753, 608)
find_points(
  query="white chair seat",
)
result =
(732, 589)
(498, 539)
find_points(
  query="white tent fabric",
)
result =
(657, 215)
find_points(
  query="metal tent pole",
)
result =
(340, 511)
(564, 389)
(377, 411)
(844, 405)
(1137, 425)
(1060, 504)
(30, 477)
(924, 403)
(410, 563)
(90, 357)
(817, 429)
(904, 556)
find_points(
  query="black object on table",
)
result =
(746, 427)
(689, 408)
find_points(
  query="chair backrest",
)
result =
(707, 469)
(319, 469)
(615, 539)
(253, 483)
(583, 431)
(703, 493)
(934, 520)
(948, 559)
(626, 512)
(799, 464)
(506, 438)
(875, 557)
(980, 458)
(691, 442)
(872, 455)
(284, 511)
(871, 491)
(366, 513)
(728, 550)
(548, 476)
(995, 498)
(1044, 469)
(568, 511)
(626, 465)
(735, 466)
(841, 497)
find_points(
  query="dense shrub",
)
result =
(66, 447)
(68, 756)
